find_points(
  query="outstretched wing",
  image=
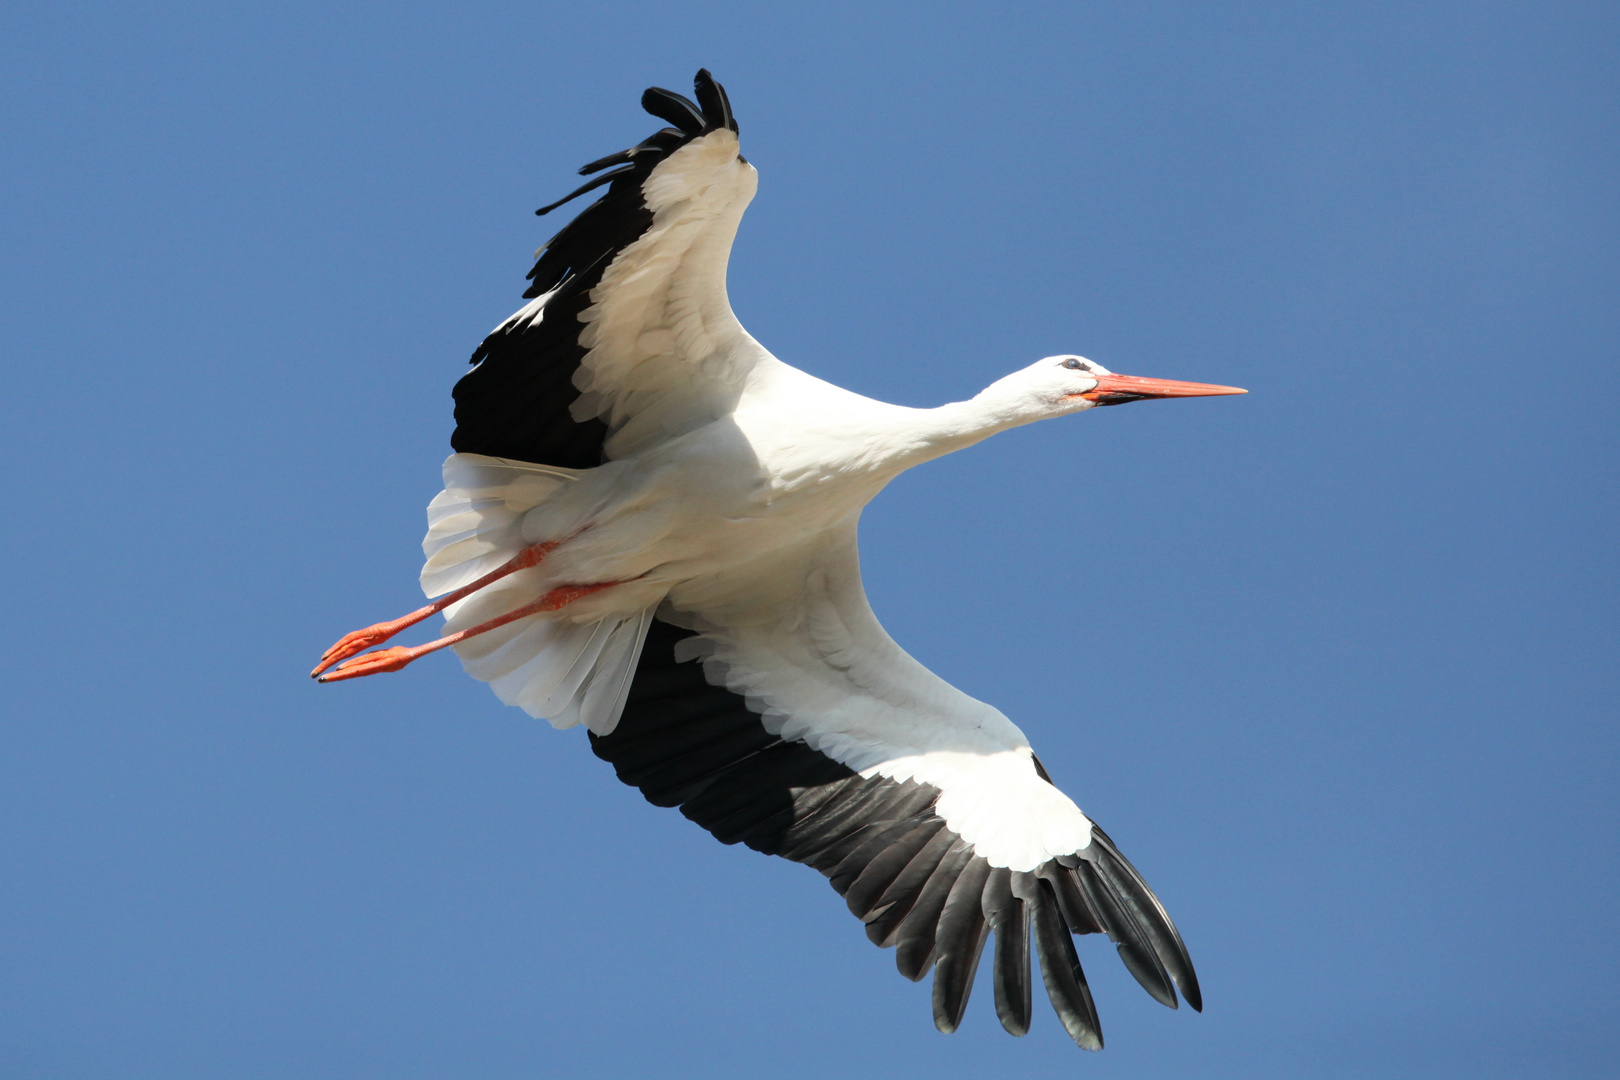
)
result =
(628, 336)
(818, 739)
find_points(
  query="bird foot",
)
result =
(358, 641)
(374, 663)
(396, 658)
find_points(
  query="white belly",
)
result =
(695, 506)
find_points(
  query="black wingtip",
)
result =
(591, 185)
(1008, 916)
(712, 97)
(960, 942)
(1153, 921)
(676, 109)
(1061, 972)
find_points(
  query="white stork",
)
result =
(648, 527)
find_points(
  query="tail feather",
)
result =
(498, 654)
(603, 703)
(554, 668)
(475, 523)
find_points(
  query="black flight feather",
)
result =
(869, 886)
(817, 819)
(664, 140)
(678, 110)
(1071, 900)
(680, 766)
(872, 844)
(1008, 917)
(834, 819)
(888, 803)
(757, 788)
(589, 185)
(916, 884)
(958, 945)
(1157, 927)
(1138, 956)
(716, 107)
(897, 901)
(1060, 971)
(914, 941)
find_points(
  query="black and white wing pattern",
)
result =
(818, 739)
(628, 337)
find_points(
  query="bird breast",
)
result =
(700, 504)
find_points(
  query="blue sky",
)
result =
(1334, 663)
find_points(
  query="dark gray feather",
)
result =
(958, 944)
(868, 888)
(1150, 914)
(1139, 957)
(675, 108)
(1060, 971)
(1008, 917)
(915, 937)
(885, 915)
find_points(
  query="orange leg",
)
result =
(377, 633)
(397, 657)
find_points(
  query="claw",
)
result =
(375, 663)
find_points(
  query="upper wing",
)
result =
(818, 739)
(628, 336)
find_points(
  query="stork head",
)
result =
(1059, 385)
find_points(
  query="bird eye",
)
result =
(1074, 365)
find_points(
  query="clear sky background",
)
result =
(1334, 663)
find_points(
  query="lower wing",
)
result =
(773, 710)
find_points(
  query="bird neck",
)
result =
(937, 432)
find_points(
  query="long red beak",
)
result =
(1118, 389)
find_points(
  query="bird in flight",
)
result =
(648, 527)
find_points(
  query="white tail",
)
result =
(549, 666)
